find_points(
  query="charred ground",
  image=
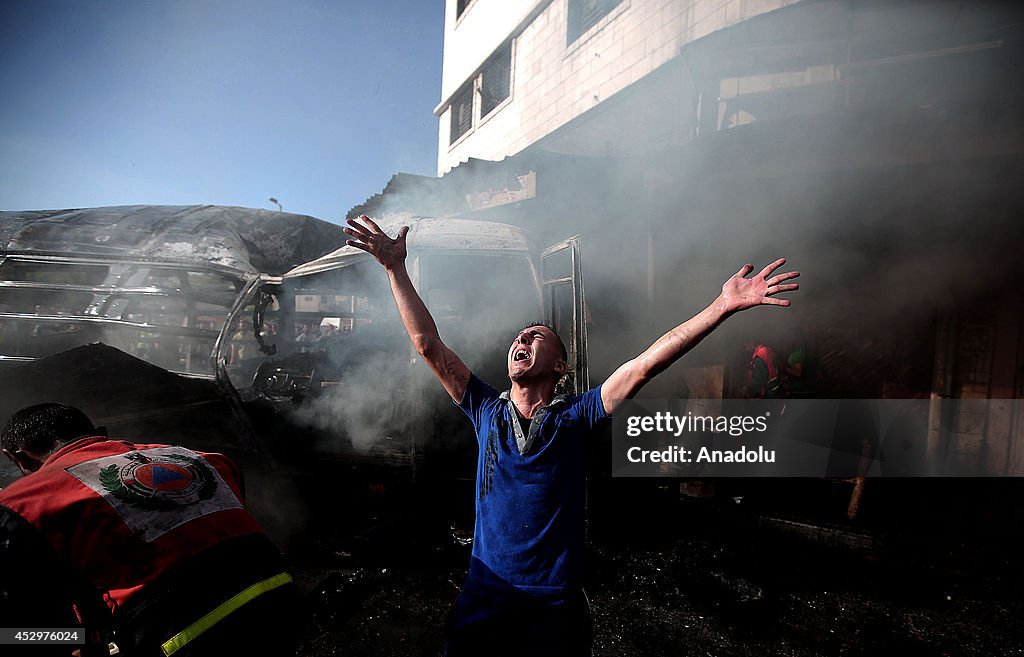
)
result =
(929, 568)
(697, 578)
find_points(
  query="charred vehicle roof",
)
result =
(430, 234)
(240, 239)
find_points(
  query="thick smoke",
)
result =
(370, 394)
(370, 405)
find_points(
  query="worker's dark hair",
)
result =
(45, 427)
(565, 354)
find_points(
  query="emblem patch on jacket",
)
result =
(155, 490)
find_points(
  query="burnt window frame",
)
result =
(580, 18)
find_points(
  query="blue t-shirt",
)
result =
(530, 508)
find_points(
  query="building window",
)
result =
(584, 14)
(494, 82)
(462, 112)
(496, 79)
(460, 6)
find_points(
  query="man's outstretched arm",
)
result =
(445, 363)
(738, 293)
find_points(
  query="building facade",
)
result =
(516, 72)
(877, 143)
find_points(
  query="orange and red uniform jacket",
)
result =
(122, 514)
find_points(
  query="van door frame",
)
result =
(577, 331)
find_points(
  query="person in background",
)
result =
(764, 381)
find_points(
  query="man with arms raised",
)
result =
(524, 592)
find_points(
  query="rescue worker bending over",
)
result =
(159, 533)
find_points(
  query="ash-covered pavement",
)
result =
(933, 567)
(693, 590)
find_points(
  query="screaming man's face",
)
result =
(535, 353)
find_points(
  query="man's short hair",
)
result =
(44, 427)
(565, 354)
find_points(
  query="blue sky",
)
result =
(314, 102)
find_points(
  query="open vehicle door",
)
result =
(562, 278)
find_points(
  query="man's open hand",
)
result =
(370, 238)
(740, 292)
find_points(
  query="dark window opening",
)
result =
(460, 7)
(15, 270)
(496, 83)
(584, 14)
(462, 112)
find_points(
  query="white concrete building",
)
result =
(516, 71)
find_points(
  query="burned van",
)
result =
(323, 346)
(306, 349)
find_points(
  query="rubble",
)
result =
(694, 594)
